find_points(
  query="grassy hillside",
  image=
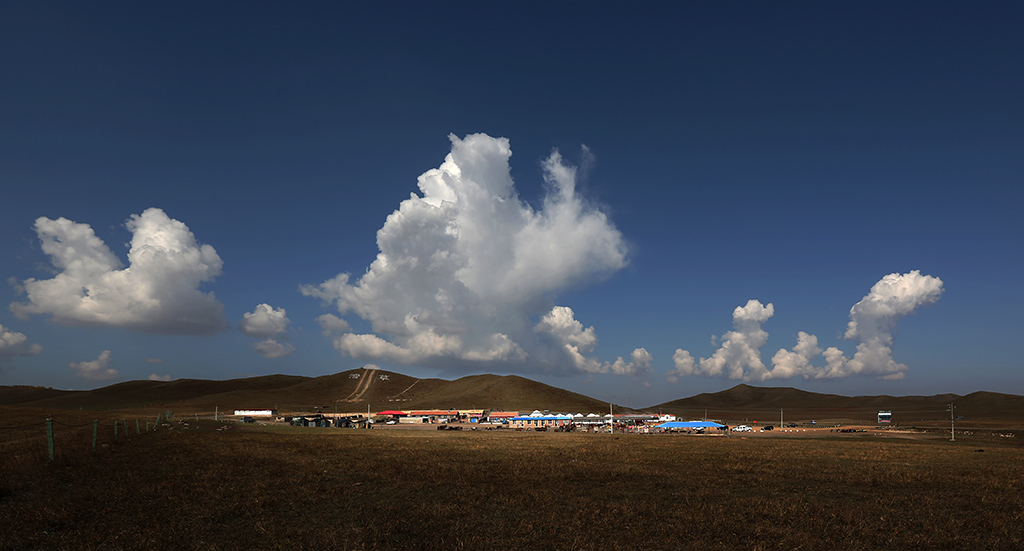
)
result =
(143, 394)
(508, 392)
(770, 404)
(20, 394)
(352, 390)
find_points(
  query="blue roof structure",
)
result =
(688, 425)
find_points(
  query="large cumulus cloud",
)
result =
(467, 271)
(873, 326)
(157, 293)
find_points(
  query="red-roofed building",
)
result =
(502, 416)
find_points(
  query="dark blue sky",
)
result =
(794, 154)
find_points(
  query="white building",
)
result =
(256, 412)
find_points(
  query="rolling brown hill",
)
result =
(348, 391)
(355, 390)
(769, 405)
(148, 394)
(20, 394)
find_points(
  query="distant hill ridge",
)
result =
(351, 390)
(356, 389)
(771, 404)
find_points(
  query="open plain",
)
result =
(191, 484)
(121, 480)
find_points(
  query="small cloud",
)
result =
(264, 322)
(270, 324)
(272, 349)
(684, 366)
(154, 360)
(155, 377)
(96, 370)
(560, 324)
(639, 364)
(333, 325)
(13, 344)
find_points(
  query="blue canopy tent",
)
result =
(689, 425)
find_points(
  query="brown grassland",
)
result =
(188, 485)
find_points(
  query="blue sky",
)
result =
(555, 187)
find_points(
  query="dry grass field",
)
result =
(189, 485)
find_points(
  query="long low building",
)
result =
(537, 421)
(436, 415)
(256, 412)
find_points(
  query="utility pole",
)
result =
(611, 419)
(952, 424)
(781, 423)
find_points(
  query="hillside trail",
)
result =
(364, 385)
(396, 396)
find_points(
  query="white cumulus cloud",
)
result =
(873, 325)
(740, 351)
(685, 366)
(576, 342)
(157, 293)
(639, 364)
(265, 321)
(790, 363)
(98, 369)
(155, 377)
(270, 324)
(466, 270)
(332, 325)
(271, 348)
(13, 344)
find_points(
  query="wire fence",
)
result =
(27, 444)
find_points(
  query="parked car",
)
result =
(792, 426)
(742, 428)
(768, 427)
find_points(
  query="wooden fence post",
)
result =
(95, 432)
(49, 436)
(125, 428)
(115, 431)
(137, 431)
(147, 424)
